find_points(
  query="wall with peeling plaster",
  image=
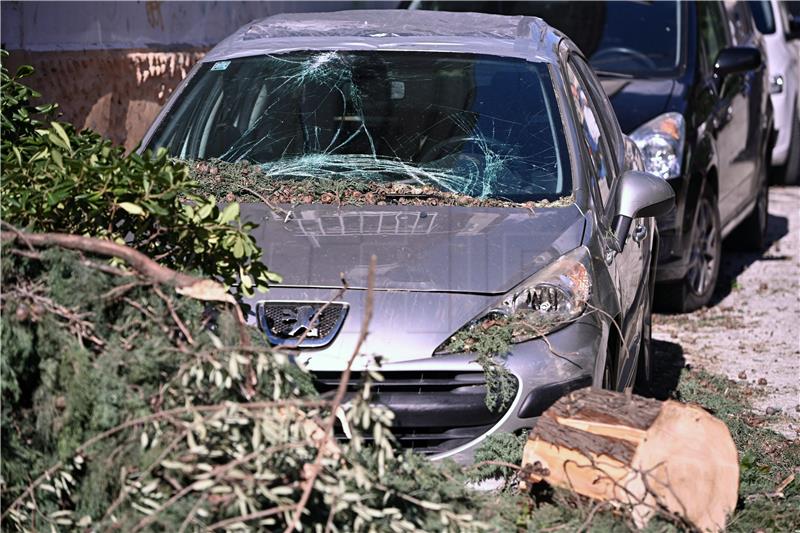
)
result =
(112, 65)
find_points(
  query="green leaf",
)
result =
(133, 209)
(238, 249)
(61, 133)
(57, 159)
(231, 212)
(205, 211)
(24, 70)
(58, 141)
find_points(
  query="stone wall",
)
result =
(117, 93)
(112, 65)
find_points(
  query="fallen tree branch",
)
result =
(137, 260)
(29, 490)
(341, 390)
(184, 284)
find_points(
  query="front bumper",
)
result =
(784, 120)
(438, 401)
(673, 260)
(673, 232)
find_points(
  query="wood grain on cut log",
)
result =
(637, 452)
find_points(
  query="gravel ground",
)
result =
(751, 331)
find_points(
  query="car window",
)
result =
(476, 125)
(632, 37)
(741, 18)
(711, 22)
(762, 15)
(606, 115)
(590, 132)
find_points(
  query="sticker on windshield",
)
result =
(220, 65)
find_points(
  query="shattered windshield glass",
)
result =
(466, 124)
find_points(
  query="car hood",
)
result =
(636, 101)
(436, 249)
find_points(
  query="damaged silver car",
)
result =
(477, 158)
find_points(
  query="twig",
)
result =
(337, 400)
(248, 517)
(273, 208)
(590, 517)
(26, 253)
(21, 235)
(123, 493)
(193, 511)
(78, 326)
(174, 315)
(331, 515)
(155, 416)
(119, 290)
(493, 463)
(108, 269)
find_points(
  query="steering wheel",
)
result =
(635, 55)
(462, 141)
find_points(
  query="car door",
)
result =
(753, 92)
(602, 142)
(729, 118)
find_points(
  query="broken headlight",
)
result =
(550, 299)
(661, 142)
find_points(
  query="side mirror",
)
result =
(734, 60)
(793, 31)
(639, 194)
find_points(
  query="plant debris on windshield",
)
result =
(237, 182)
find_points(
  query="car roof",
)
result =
(529, 38)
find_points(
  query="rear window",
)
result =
(482, 126)
(763, 17)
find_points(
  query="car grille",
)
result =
(286, 322)
(273, 314)
(435, 411)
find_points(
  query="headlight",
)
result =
(661, 142)
(550, 299)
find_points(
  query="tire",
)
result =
(696, 288)
(751, 235)
(791, 169)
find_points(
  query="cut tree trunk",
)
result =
(637, 453)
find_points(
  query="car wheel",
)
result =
(791, 169)
(697, 286)
(751, 235)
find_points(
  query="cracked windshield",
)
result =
(419, 124)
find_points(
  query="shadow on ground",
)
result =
(668, 361)
(735, 262)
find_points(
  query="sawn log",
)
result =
(639, 453)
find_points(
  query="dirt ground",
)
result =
(751, 330)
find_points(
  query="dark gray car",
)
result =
(479, 160)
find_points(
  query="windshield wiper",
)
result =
(612, 74)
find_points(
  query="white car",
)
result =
(781, 31)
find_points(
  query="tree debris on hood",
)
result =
(228, 183)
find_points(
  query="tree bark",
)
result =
(638, 453)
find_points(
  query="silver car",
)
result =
(477, 158)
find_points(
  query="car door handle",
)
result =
(639, 232)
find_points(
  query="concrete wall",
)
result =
(112, 65)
